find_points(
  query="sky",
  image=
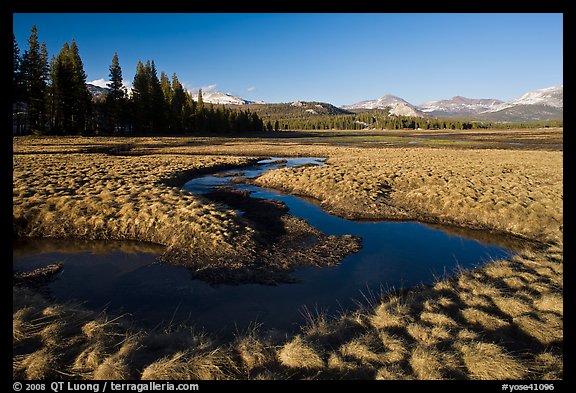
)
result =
(335, 58)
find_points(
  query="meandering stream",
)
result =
(125, 277)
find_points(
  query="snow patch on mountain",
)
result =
(103, 84)
(218, 98)
(550, 96)
(459, 105)
(396, 105)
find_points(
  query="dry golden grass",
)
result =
(41, 364)
(299, 354)
(551, 364)
(511, 306)
(489, 361)
(547, 328)
(364, 349)
(500, 321)
(91, 192)
(517, 192)
(550, 302)
(438, 319)
(252, 352)
(336, 362)
(96, 196)
(391, 373)
(111, 368)
(395, 348)
(389, 313)
(426, 363)
(186, 366)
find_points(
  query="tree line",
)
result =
(51, 97)
(382, 120)
(371, 120)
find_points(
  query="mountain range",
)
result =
(541, 104)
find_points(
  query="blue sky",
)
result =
(336, 58)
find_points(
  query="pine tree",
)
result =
(200, 102)
(166, 88)
(16, 70)
(17, 95)
(82, 97)
(51, 95)
(115, 85)
(177, 105)
(141, 97)
(69, 98)
(34, 67)
(158, 104)
(61, 91)
(200, 117)
(115, 99)
(257, 123)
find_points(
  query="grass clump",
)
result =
(490, 361)
(299, 354)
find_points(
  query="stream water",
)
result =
(125, 276)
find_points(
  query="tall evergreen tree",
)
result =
(115, 99)
(166, 88)
(83, 98)
(61, 91)
(70, 100)
(17, 95)
(16, 70)
(200, 117)
(51, 90)
(177, 105)
(159, 108)
(34, 67)
(200, 102)
(189, 113)
(115, 85)
(141, 97)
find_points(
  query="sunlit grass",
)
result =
(500, 321)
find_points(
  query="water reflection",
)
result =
(125, 277)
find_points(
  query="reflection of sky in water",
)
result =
(394, 255)
(204, 184)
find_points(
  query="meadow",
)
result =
(503, 320)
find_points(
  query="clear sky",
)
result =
(335, 58)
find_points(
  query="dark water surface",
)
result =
(125, 276)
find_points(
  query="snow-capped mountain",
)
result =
(550, 96)
(397, 105)
(459, 106)
(97, 91)
(541, 104)
(99, 87)
(217, 98)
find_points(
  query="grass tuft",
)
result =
(490, 361)
(298, 354)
